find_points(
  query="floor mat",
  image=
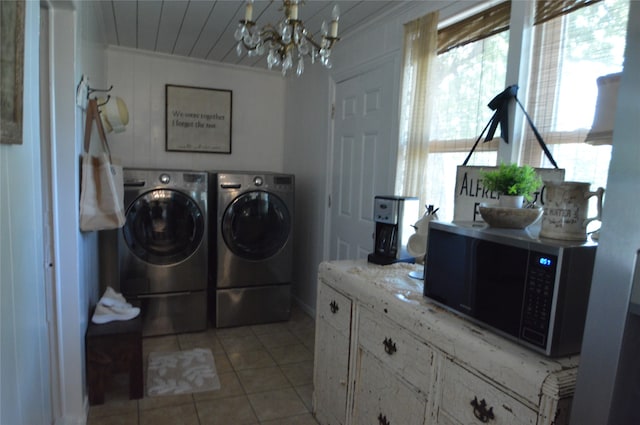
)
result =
(181, 372)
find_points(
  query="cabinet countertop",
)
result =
(388, 290)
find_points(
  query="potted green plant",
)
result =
(513, 182)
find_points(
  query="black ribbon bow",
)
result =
(500, 104)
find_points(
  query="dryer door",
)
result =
(164, 227)
(256, 225)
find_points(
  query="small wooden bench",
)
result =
(114, 347)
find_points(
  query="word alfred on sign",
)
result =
(470, 192)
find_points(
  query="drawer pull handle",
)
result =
(382, 420)
(480, 410)
(389, 346)
(334, 307)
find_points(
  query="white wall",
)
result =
(24, 387)
(139, 78)
(307, 136)
(75, 48)
(309, 130)
(607, 315)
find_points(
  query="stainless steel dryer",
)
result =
(163, 248)
(254, 248)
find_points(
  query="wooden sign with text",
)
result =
(470, 193)
(198, 119)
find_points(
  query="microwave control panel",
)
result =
(538, 298)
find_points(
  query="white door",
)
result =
(364, 157)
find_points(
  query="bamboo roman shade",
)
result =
(474, 28)
(549, 9)
(496, 19)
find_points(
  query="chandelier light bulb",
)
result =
(294, 10)
(335, 17)
(248, 12)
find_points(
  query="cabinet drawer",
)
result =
(383, 399)
(396, 348)
(468, 399)
(334, 308)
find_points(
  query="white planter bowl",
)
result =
(509, 218)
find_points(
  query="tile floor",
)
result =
(266, 377)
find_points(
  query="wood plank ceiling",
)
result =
(204, 29)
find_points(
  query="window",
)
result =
(570, 51)
(468, 77)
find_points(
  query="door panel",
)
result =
(363, 158)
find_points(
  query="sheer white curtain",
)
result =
(420, 49)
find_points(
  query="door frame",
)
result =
(334, 80)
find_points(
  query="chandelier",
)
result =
(288, 41)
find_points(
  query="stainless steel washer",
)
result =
(254, 248)
(163, 248)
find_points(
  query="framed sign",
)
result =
(470, 193)
(198, 119)
(11, 70)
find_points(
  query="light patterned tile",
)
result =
(308, 338)
(277, 404)
(241, 344)
(229, 386)
(236, 332)
(302, 325)
(206, 339)
(226, 411)
(114, 408)
(251, 360)
(306, 419)
(291, 354)
(278, 339)
(269, 328)
(149, 403)
(159, 344)
(299, 373)
(222, 362)
(259, 380)
(305, 392)
(173, 415)
(125, 419)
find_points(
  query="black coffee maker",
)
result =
(394, 217)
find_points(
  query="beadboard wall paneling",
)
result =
(139, 78)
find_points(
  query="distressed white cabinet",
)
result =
(333, 330)
(466, 399)
(385, 355)
(382, 397)
(383, 393)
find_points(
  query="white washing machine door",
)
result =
(256, 225)
(164, 227)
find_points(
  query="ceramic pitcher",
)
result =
(565, 210)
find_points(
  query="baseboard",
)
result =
(311, 311)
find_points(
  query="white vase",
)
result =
(511, 201)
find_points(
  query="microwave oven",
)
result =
(532, 290)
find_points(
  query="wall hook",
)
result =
(81, 91)
(105, 102)
(90, 90)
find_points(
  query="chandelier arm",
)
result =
(313, 42)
